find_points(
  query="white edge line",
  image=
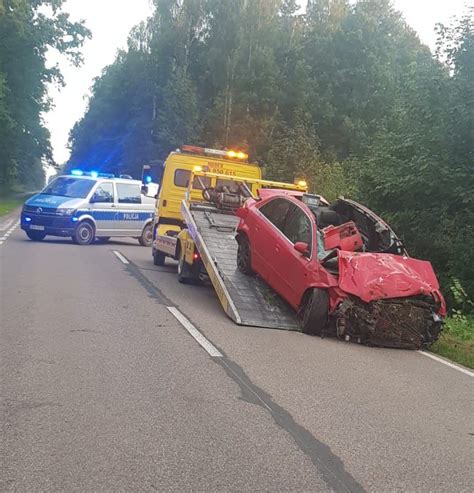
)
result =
(204, 343)
(121, 257)
(447, 363)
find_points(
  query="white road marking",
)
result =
(447, 363)
(207, 345)
(6, 224)
(121, 257)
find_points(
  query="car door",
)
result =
(129, 202)
(294, 268)
(267, 238)
(103, 208)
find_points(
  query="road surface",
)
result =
(114, 377)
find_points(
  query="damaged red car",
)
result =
(342, 268)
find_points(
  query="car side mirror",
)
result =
(301, 247)
(144, 190)
(93, 199)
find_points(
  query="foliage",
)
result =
(457, 341)
(343, 94)
(28, 28)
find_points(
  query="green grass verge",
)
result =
(8, 204)
(457, 341)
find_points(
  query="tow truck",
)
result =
(195, 224)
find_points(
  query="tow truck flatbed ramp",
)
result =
(246, 299)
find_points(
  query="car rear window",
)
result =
(276, 211)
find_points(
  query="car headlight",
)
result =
(66, 212)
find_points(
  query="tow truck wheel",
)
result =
(158, 258)
(315, 312)
(146, 239)
(243, 256)
(35, 235)
(186, 272)
(84, 234)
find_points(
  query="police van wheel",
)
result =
(146, 239)
(158, 258)
(35, 235)
(84, 234)
(103, 239)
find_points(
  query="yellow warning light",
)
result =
(302, 183)
(232, 154)
(242, 155)
(197, 169)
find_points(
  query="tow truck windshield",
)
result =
(64, 186)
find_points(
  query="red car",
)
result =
(342, 268)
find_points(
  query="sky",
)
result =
(110, 32)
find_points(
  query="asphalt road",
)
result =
(103, 389)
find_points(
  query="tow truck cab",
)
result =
(177, 171)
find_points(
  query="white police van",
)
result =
(90, 206)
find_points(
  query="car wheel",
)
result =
(158, 258)
(146, 239)
(36, 235)
(315, 312)
(103, 239)
(84, 234)
(244, 256)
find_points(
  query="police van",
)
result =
(88, 207)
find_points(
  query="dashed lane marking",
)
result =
(9, 231)
(121, 257)
(447, 363)
(202, 341)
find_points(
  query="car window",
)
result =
(65, 186)
(104, 193)
(181, 179)
(298, 227)
(129, 193)
(275, 211)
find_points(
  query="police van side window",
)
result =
(104, 193)
(128, 193)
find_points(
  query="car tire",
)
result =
(146, 239)
(35, 235)
(84, 234)
(244, 263)
(315, 312)
(158, 258)
(103, 239)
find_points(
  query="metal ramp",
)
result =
(246, 299)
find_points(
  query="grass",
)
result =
(457, 341)
(8, 204)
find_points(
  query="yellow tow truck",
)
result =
(195, 224)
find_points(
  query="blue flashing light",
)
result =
(28, 219)
(77, 172)
(94, 174)
(75, 219)
(148, 179)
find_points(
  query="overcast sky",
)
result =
(110, 22)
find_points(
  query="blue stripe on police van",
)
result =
(116, 215)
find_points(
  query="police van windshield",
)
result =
(65, 186)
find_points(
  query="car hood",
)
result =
(53, 201)
(374, 276)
